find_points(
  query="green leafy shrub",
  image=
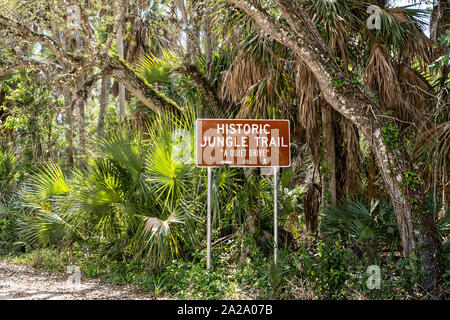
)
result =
(366, 227)
(49, 259)
(328, 269)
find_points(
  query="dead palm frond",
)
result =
(414, 46)
(434, 147)
(336, 21)
(243, 74)
(349, 146)
(419, 48)
(158, 239)
(381, 76)
(259, 81)
(416, 89)
(157, 225)
(307, 91)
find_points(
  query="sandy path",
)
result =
(22, 282)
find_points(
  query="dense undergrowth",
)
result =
(320, 271)
(135, 213)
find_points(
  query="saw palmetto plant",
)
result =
(366, 226)
(50, 215)
(128, 198)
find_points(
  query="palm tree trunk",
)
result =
(311, 204)
(440, 18)
(371, 177)
(121, 86)
(68, 113)
(208, 53)
(82, 128)
(185, 23)
(329, 168)
(104, 97)
(439, 25)
(70, 247)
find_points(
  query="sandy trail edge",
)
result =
(21, 282)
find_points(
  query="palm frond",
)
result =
(126, 147)
(169, 162)
(157, 70)
(307, 91)
(159, 239)
(433, 148)
(8, 161)
(361, 224)
(50, 181)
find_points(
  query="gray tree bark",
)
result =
(104, 98)
(208, 52)
(68, 119)
(82, 128)
(121, 86)
(371, 190)
(329, 171)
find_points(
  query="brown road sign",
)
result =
(242, 143)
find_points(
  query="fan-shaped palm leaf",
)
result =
(157, 70)
(159, 239)
(50, 181)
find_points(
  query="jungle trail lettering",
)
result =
(242, 142)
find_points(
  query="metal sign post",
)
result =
(275, 215)
(208, 223)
